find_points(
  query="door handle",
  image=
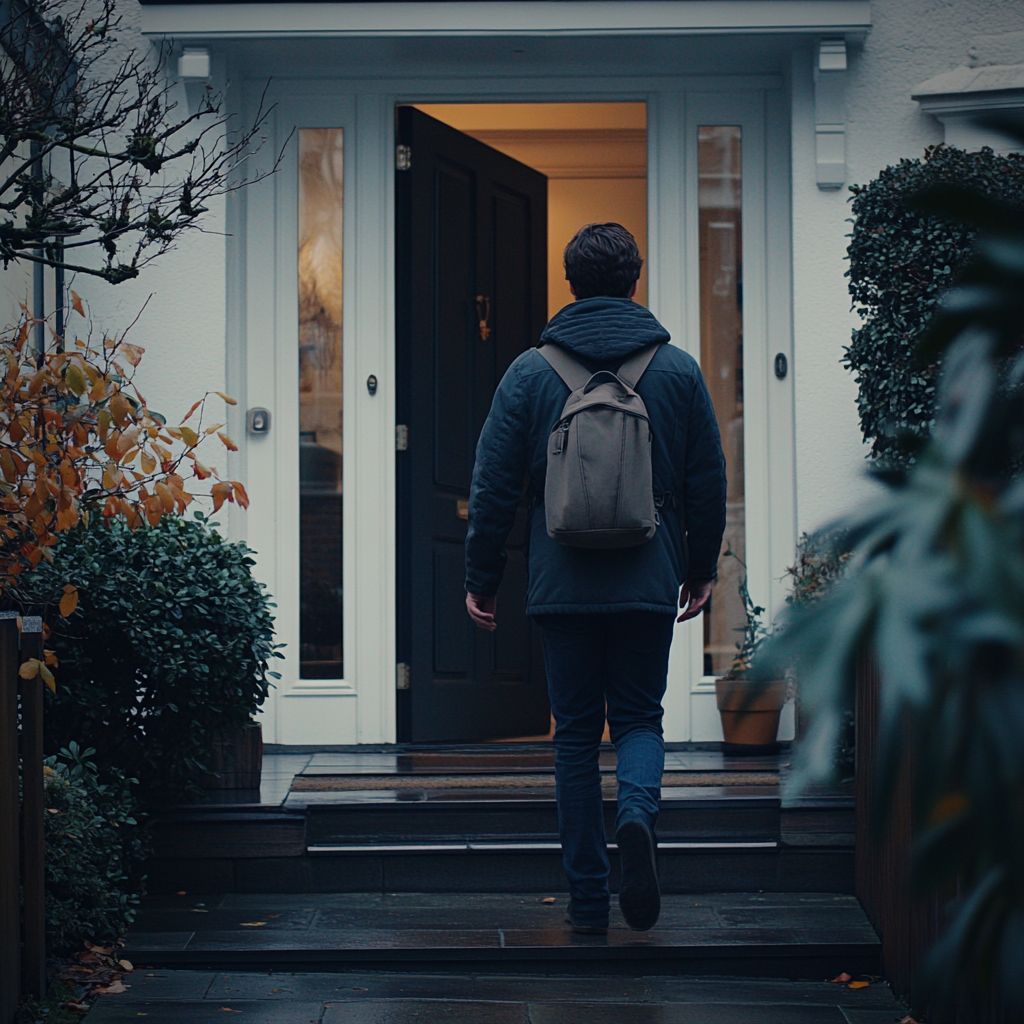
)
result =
(483, 312)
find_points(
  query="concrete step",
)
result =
(783, 935)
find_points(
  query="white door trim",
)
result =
(361, 708)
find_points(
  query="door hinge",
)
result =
(401, 437)
(403, 157)
(401, 676)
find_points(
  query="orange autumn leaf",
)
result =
(858, 984)
(221, 492)
(163, 492)
(195, 405)
(76, 303)
(227, 398)
(240, 496)
(69, 602)
(228, 443)
(133, 353)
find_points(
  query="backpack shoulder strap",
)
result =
(633, 368)
(572, 373)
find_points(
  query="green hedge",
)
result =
(93, 845)
(900, 262)
(169, 647)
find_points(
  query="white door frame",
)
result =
(263, 355)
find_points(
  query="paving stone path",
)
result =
(204, 997)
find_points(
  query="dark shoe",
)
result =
(585, 927)
(639, 895)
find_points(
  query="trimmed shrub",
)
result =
(168, 648)
(900, 262)
(93, 843)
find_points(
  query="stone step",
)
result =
(707, 841)
(790, 935)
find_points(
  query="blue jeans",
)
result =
(618, 659)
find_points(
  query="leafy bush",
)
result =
(901, 259)
(93, 842)
(935, 589)
(168, 647)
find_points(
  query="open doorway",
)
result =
(490, 196)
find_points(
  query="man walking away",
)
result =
(605, 577)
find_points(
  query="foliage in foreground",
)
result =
(78, 441)
(902, 259)
(935, 587)
(169, 647)
(93, 845)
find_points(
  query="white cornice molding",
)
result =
(967, 90)
(985, 84)
(850, 19)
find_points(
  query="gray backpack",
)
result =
(599, 488)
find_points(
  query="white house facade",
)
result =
(724, 133)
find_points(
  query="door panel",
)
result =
(471, 296)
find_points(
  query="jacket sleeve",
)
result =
(497, 485)
(704, 488)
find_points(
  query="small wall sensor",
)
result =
(781, 366)
(257, 421)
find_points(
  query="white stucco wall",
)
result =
(182, 327)
(910, 41)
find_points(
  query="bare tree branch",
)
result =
(114, 166)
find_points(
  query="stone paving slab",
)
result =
(652, 1013)
(426, 1013)
(204, 997)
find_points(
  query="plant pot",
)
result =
(237, 758)
(750, 714)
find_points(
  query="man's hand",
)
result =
(692, 598)
(481, 611)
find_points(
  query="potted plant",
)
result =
(750, 709)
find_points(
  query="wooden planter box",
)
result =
(237, 758)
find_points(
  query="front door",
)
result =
(471, 296)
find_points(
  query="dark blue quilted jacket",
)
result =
(689, 472)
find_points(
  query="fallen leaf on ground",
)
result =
(199, 910)
(99, 949)
(126, 964)
(228, 1009)
(858, 984)
(271, 916)
(115, 988)
(182, 893)
(841, 979)
(251, 924)
(548, 899)
(907, 1020)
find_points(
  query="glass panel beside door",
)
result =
(719, 201)
(320, 403)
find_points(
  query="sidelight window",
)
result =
(320, 402)
(721, 349)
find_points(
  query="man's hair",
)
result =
(602, 259)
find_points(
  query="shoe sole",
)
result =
(639, 895)
(586, 929)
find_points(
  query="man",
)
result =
(607, 616)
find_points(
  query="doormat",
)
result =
(344, 783)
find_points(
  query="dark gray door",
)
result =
(472, 295)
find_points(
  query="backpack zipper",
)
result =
(563, 433)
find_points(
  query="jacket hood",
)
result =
(604, 328)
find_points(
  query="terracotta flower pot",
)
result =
(237, 758)
(750, 713)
